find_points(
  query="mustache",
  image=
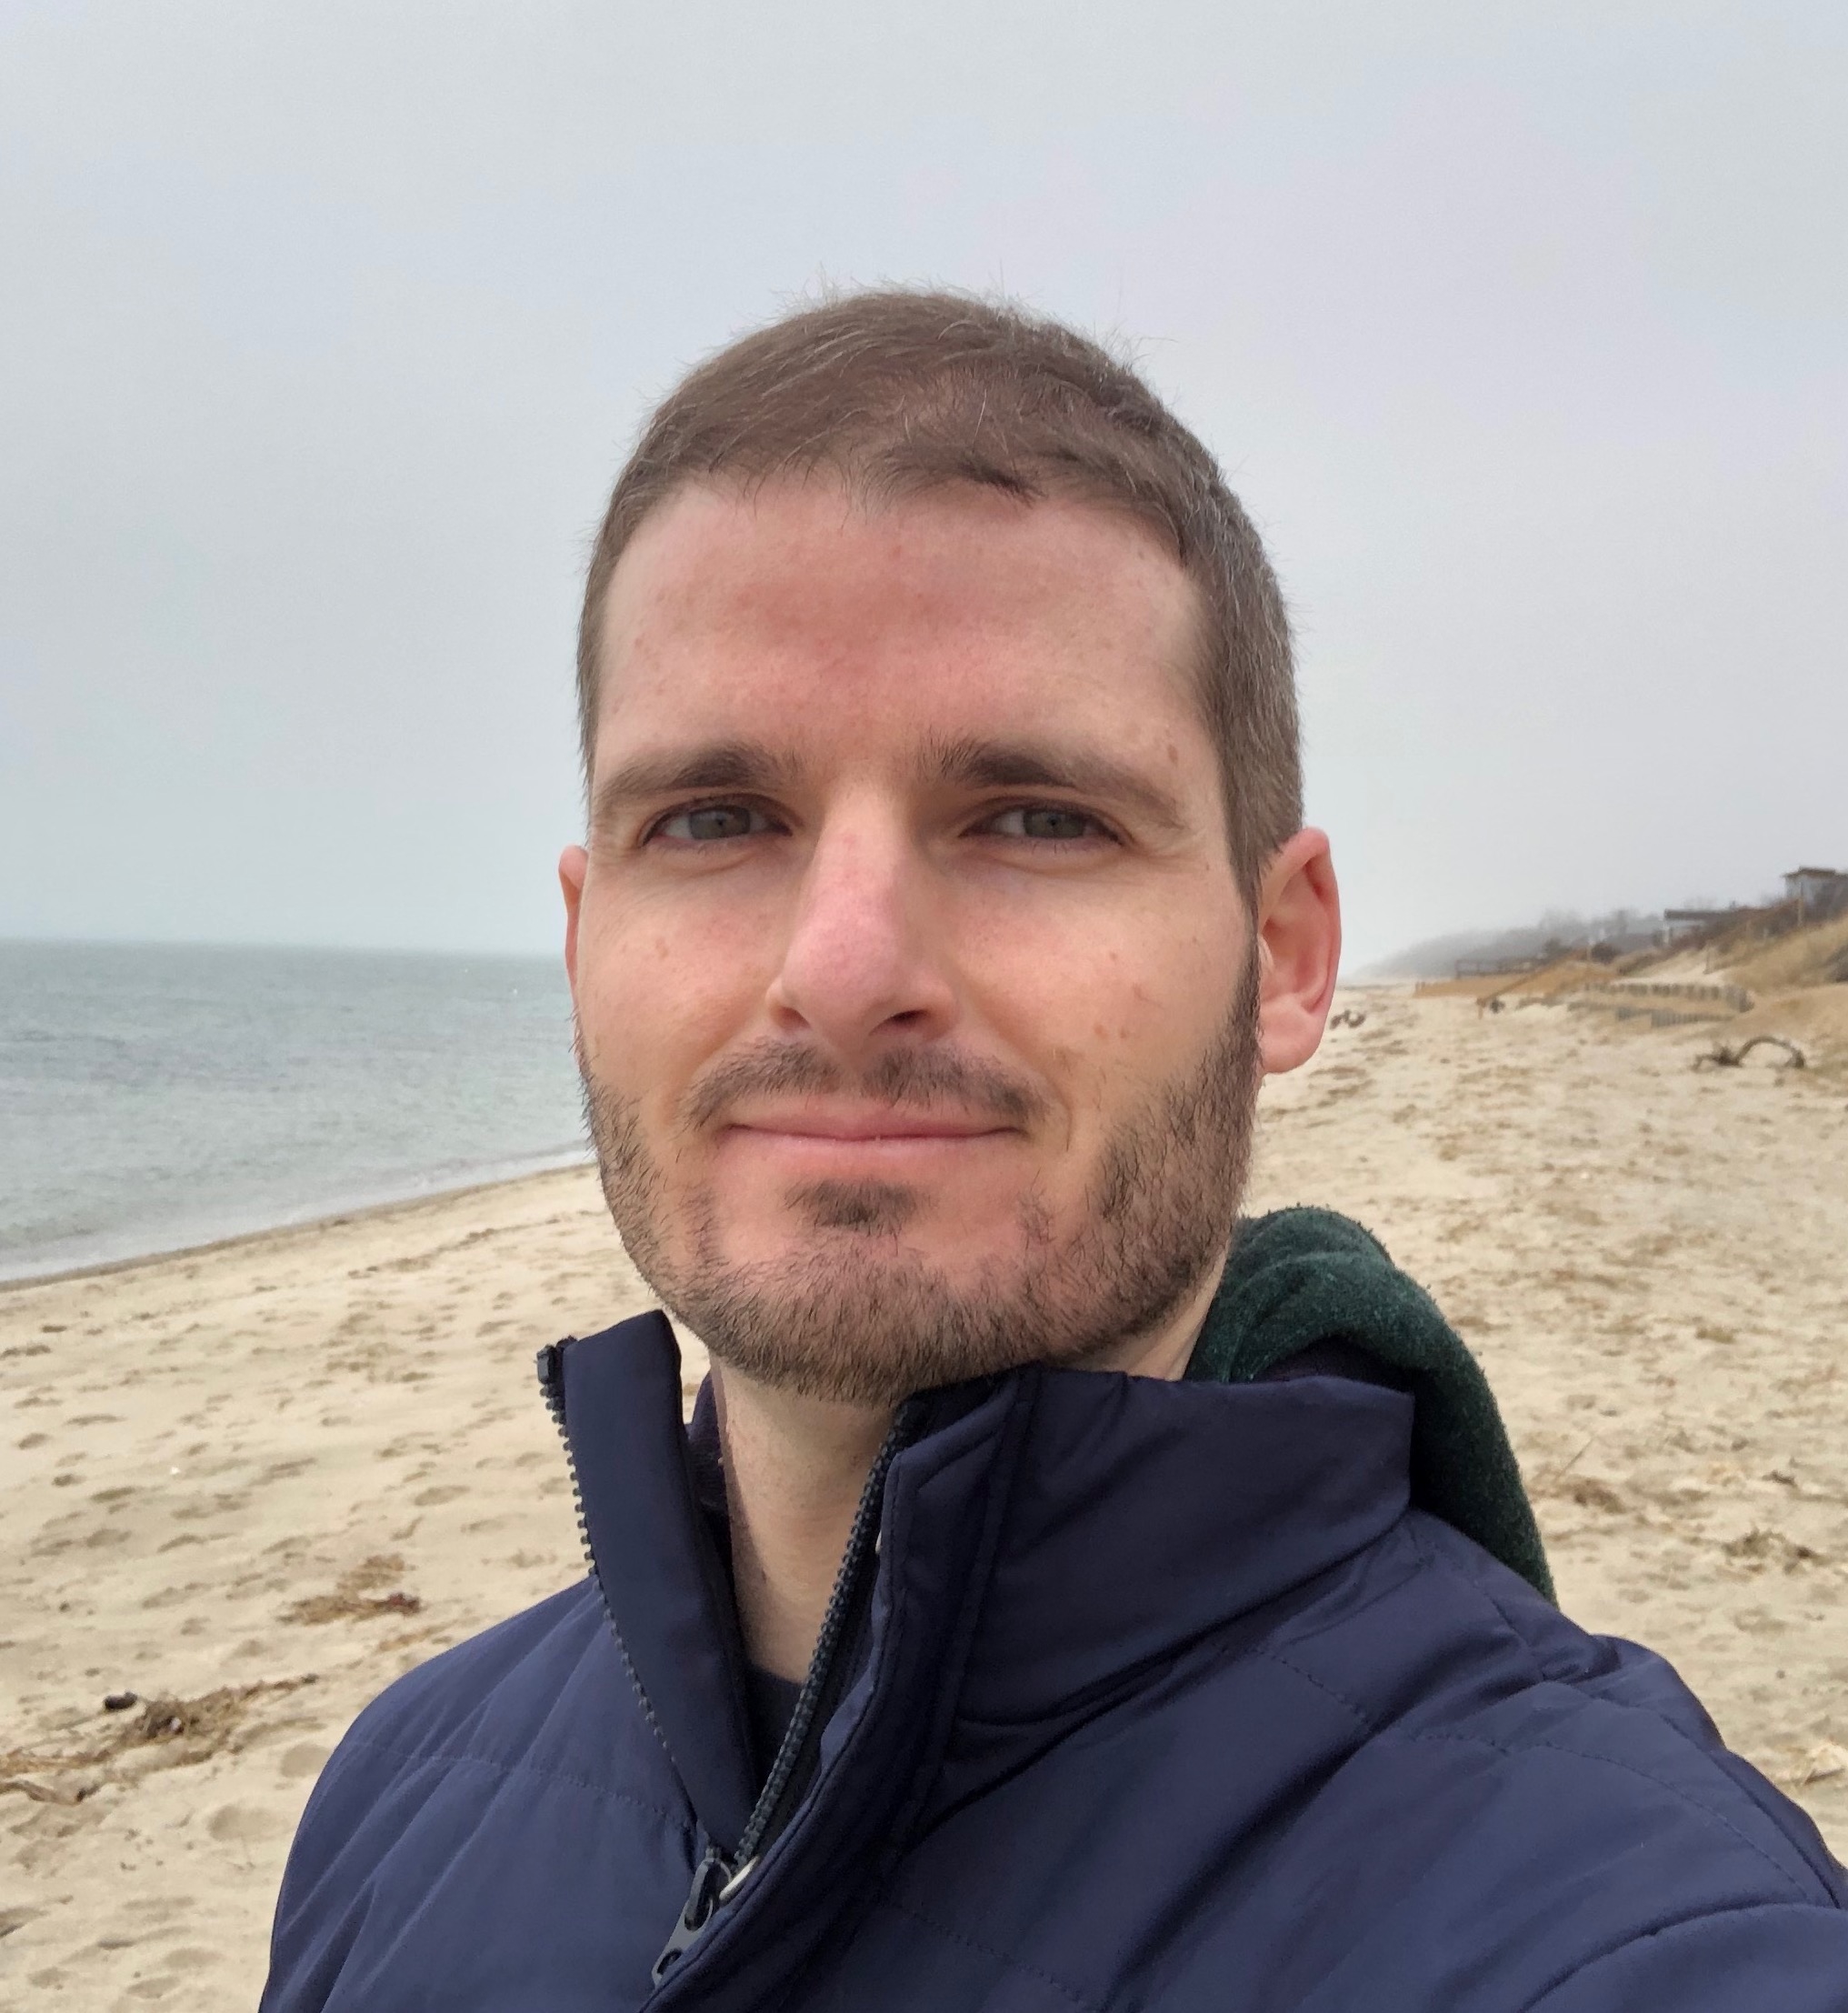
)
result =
(926, 1078)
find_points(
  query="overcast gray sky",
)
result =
(1522, 331)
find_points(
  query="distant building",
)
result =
(1687, 922)
(1818, 891)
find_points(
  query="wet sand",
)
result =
(251, 1485)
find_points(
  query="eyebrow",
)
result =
(977, 765)
(716, 765)
(966, 763)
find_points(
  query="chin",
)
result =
(868, 1247)
(954, 1229)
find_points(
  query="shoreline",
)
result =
(511, 1175)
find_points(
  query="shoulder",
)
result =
(1507, 1801)
(532, 1711)
(1595, 1742)
(478, 1687)
(511, 1767)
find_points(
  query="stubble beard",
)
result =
(852, 1315)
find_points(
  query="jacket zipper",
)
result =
(720, 1876)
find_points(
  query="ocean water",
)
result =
(158, 1096)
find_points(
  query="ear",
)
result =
(574, 864)
(1299, 950)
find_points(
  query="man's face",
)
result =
(915, 999)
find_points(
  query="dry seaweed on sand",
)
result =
(179, 1731)
(353, 1597)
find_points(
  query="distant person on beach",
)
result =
(1067, 1594)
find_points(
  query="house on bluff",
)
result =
(1819, 893)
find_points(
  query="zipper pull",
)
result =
(714, 1881)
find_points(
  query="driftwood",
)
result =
(1722, 1056)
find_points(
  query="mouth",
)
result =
(878, 1130)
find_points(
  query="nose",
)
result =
(862, 965)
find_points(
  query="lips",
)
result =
(860, 1128)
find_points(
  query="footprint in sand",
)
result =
(245, 1824)
(306, 1757)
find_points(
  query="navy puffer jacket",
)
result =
(1136, 1694)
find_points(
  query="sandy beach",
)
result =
(251, 1485)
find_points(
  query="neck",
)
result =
(1164, 1351)
(794, 1468)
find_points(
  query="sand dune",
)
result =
(251, 1485)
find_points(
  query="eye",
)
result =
(705, 823)
(1054, 823)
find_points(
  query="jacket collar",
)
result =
(1048, 1535)
(1141, 1514)
(667, 1592)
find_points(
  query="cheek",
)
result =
(1107, 1018)
(655, 1002)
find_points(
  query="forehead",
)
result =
(956, 611)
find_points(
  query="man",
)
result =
(1044, 1609)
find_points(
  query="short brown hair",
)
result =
(898, 392)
